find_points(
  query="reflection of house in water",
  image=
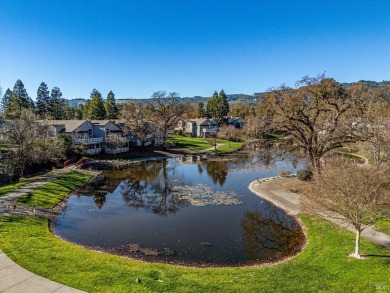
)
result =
(192, 159)
(216, 169)
(99, 187)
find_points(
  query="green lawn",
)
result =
(199, 144)
(49, 194)
(11, 187)
(226, 148)
(193, 143)
(383, 226)
(322, 266)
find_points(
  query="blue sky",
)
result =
(193, 47)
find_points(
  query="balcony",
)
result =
(211, 129)
(89, 140)
(92, 151)
(116, 151)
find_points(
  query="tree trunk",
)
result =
(315, 163)
(357, 244)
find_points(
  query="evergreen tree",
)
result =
(6, 100)
(96, 107)
(56, 104)
(69, 112)
(211, 104)
(110, 106)
(218, 107)
(223, 107)
(43, 100)
(18, 101)
(21, 96)
(85, 109)
(200, 111)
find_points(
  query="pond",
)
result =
(194, 210)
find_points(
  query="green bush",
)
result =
(284, 173)
(304, 175)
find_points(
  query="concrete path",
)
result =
(41, 180)
(7, 200)
(272, 190)
(14, 278)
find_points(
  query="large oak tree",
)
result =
(316, 118)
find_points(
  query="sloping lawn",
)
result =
(11, 187)
(225, 148)
(49, 194)
(192, 143)
(322, 266)
(199, 144)
(383, 226)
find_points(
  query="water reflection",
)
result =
(270, 235)
(100, 200)
(154, 194)
(199, 209)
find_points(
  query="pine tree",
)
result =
(21, 96)
(211, 105)
(111, 107)
(18, 101)
(85, 109)
(43, 100)
(56, 104)
(96, 107)
(6, 100)
(200, 111)
(218, 107)
(223, 107)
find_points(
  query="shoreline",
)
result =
(269, 189)
(191, 263)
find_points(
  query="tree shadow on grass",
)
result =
(375, 255)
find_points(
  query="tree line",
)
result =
(51, 105)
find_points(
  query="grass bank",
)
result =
(201, 144)
(322, 266)
(11, 187)
(51, 193)
(383, 226)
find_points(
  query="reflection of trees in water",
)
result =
(268, 152)
(99, 200)
(152, 189)
(217, 170)
(272, 235)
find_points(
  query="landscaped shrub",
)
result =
(304, 175)
(284, 173)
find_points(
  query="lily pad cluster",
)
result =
(203, 195)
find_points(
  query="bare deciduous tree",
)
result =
(28, 141)
(378, 130)
(165, 112)
(356, 194)
(318, 117)
(137, 121)
(115, 141)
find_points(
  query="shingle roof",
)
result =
(69, 125)
(202, 121)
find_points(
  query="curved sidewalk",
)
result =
(14, 278)
(271, 189)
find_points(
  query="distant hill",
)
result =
(253, 99)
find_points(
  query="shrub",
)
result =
(284, 173)
(304, 175)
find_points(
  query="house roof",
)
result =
(69, 125)
(101, 122)
(203, 121)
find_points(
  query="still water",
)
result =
(191, 210)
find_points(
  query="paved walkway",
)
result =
(272, 190)
(14, 278)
